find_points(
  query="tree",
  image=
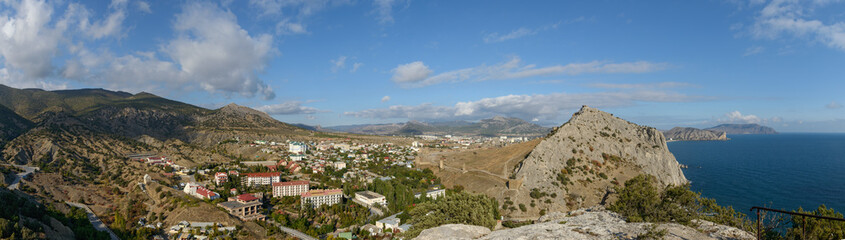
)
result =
(455, 208)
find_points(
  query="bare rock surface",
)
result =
(590, 223)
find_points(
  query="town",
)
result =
(337, 188)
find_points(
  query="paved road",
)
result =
(292, 232)
(99, 225)
(27, 170)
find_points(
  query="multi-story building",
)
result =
(253, 179)
(369, 198)
(293, 188)
(244, 206)
(220, 178)
(297, 147)
(317, 198)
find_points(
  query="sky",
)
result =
(778, 63)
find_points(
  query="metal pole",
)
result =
(759, 226)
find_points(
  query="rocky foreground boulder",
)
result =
(589, 223)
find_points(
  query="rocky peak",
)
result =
(590, 153)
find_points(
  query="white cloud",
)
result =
(416, 74)
(355, 66)
(753, 51)
(287, 108)
(385, 99)
(522, 32)
(518, 33)
(291, 14)
(643, 85)
(795, 18)
(144, 6)
(384, 10)
(411, 72)
(737, 117)
(338, 63)
(215, 51)
(833, 105)
(27, 42)
(538, 106)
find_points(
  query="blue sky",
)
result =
(323, 62)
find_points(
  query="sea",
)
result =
(782, 171)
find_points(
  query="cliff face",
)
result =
(591, 153)
(743, 129)
(694, 134)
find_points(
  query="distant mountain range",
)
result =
(496, 126)
(715, 133)
(752, 128)
(693, 134)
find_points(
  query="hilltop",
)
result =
(694, 134)
(751, 128)
(576, 165)
(496, 126)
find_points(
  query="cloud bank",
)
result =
(417, 74)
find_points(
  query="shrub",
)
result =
(522, 207)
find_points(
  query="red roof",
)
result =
(291, 183)
(205, 192)
(246, 197)
(220, 174)
(263, 174)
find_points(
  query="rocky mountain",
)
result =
(591, 223)
(11, 125)
(694, 134)
(496, 126)
(752, 128)
(579, 161)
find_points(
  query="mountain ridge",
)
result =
(750, 128)
(495, 126)
(694, 134)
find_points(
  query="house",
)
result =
(369, 198)
(253, 179)
(244, 206)
(293, 188)
(296, 157)
(391, 222)
(435, 193)
(317, 198)
(291, 166)
(339, 165)
(297, 147)
(201, 192)
(220, 178)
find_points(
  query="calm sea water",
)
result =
(782, 171)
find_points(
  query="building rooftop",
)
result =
(369, 194)
(317, 193)
(236, 204)
(291, 183)
(263, 174)
(246, 197)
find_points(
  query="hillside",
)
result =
(693, 134)
(752, 128)
(496, 126)
(574, 166)
(11, 125)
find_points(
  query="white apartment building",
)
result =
(293, 188)
(317, 198)
(297, 147)
(370, 198)
(253, 179)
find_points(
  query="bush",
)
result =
(522, 207)
(641, 201)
